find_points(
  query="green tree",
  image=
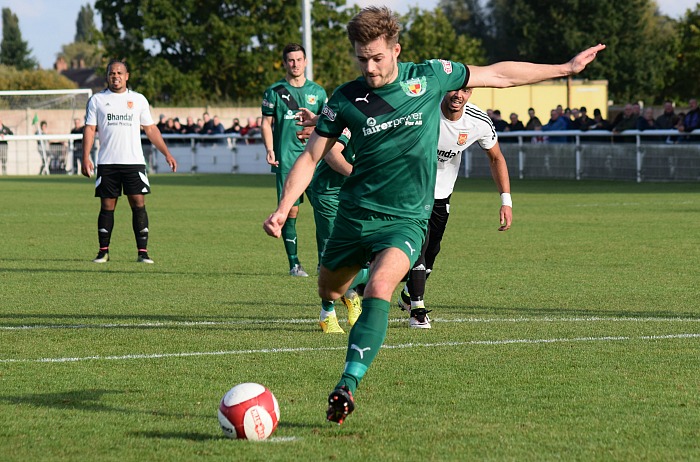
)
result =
(640, 44)
(86, 50)
(13, 50)
(429, 35)
(85, 29)
(685, 84)
(32, 79)
(215, 50)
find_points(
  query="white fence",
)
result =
(657, 155)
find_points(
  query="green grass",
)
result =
(573, 336)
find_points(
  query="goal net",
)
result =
(41, 122)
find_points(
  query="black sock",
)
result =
(105, 224)
(139, 221)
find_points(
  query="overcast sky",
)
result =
(49, 24)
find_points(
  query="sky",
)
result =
(48, 24)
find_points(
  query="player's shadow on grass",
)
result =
(85, 400)
(187, 436)
(133, 268)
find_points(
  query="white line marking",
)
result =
(168, 324)
(316, 349)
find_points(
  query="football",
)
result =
(249, 411)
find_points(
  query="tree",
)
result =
(640, 44)
(85, 29)
(685, 84)
(212, 50)
(13, 50)
(429, 35)
(86, 50)
(36, 79)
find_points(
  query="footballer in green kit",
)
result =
(281, 103)
(393, 113)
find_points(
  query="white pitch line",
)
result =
(168, 324)
(318, 349)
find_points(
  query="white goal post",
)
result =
(31, 150)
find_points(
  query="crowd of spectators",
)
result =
(632, 117)
(207, 125)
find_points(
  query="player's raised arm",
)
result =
(297, 181)
(512, 73)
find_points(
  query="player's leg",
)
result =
(136, 186)
(395, 244)
(437, 227)
(289, 232)
(108, 188)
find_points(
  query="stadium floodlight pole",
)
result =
(306, 37)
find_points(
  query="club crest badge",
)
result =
(130, 104)
(462, 138)
(311, 99)
(414, 87)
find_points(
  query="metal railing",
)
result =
(650, 155)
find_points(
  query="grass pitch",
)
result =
(573, 336)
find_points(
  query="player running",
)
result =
(461, 125)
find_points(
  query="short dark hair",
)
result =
(117, 61)
(290, 48)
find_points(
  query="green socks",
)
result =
(289, 235)
(366, 338)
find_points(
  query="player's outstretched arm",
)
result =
(512, 73)
(297, 181)
(156, 138)
(499, 172)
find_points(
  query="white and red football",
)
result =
(249, 411)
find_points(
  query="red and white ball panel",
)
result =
(249, 411)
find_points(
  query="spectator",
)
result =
(627, 121)
(556, 123)
(498, 122)
(169, 127)
(252, 129)
(191, 127)
(78, 128)
(514, 126)
(668, 120)
(161, 123)
(567, 118)
(218, 129)
(515, 123)
(598, 122)
(691, 121)
(235, 127)
(3, 146)
(534, 122)
(646, 121)
(208, 124)
(177, 126)
(582, 122)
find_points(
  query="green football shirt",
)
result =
(395, 132)
(327, 181)
(282, 101)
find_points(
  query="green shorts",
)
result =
(280, 185)
(359, 234)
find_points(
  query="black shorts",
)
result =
(112, 178)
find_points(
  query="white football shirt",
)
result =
(118, 117)
(455, 137)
